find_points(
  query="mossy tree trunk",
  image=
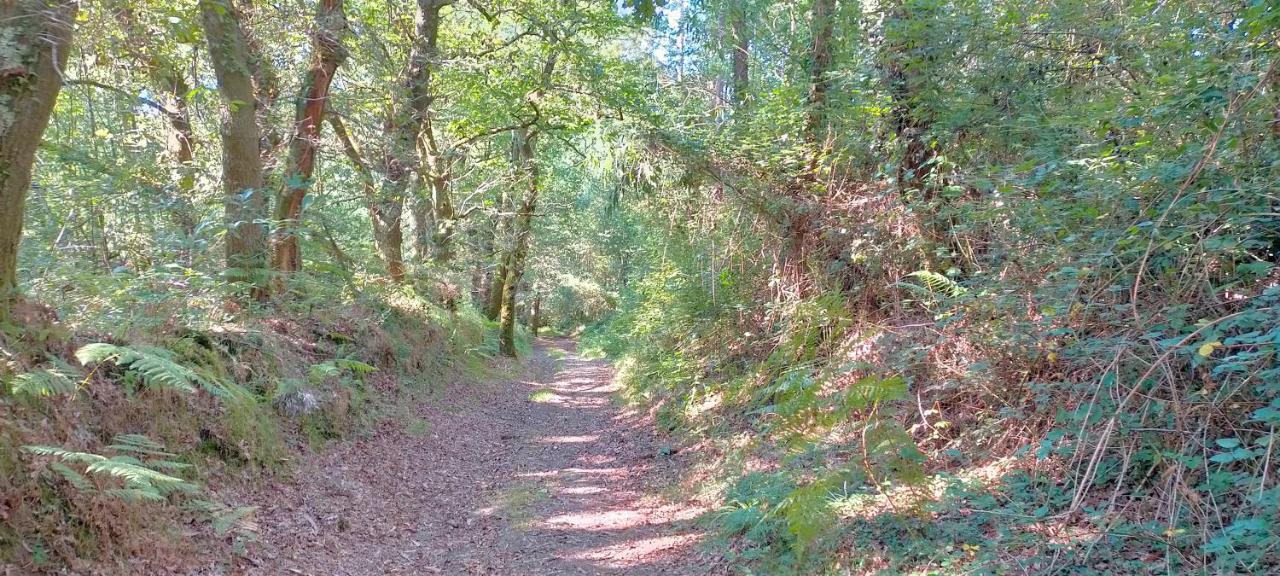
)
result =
(31, 63)
(498, 244)
(535, 313)
(438, 177)
(517, 229)
(522, 228)
(821, 57)
(244, 200)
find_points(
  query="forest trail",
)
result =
(542, 475)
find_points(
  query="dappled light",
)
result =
(639, 287)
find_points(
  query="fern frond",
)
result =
(142, 480)
(139, 444)
(234, 518)
(65, 455)
(355, 366)
(134, 474)
(874, 389)
(336, 366)
(226, 519)
(155, 365)
(937, 283)
(74, 478)
(135, 494)
(45, 382)
(808, 512)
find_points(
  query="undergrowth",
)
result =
(110, 437)
(950, 429)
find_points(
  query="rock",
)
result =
(300, 402)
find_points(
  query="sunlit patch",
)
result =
(708, 403)
(1059, 532)
(636, 552)
(543, 396)
(596, 459)
(598, 471)
(598, 521)
(569, 439)
(611, 472)
(584, 490)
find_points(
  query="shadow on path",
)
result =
(521, 478)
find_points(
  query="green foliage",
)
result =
(234, 521)
(141, 466)
(934, 284)
(154, 365)
(339, 367)
(59, 379)
(1091, 218)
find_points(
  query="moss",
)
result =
(253, 429)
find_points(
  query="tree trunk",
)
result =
(521, 229)
(904, 84)
(403, 126)
(535, 316)
(741, 52)
(327, 54)
(386, 237)
(499, 252)
(38, 34)
(820, 53)
(423, 223)
(244, 200)
(511, 265)
(438, 177)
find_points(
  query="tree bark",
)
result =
(904, 83)
(522, 229)
(502, 295)
(820, 53)
(423, 222)
(244, 200)
(535, 315)
(498, 244)
(438, 178)
(741, 54)
(403, 126)
(39, 34)
(327, 54)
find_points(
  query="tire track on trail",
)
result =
(521, 477)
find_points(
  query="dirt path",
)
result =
(517, 477)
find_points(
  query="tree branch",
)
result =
(121, 91)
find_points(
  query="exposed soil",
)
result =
(543, 475)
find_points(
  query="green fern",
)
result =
(142, 480)
(337, 366)
(934, 283)
(60, 379)
(872, 390)
(808, 511)
(72, 477)
(154, 365)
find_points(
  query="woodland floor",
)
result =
(543, 474)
